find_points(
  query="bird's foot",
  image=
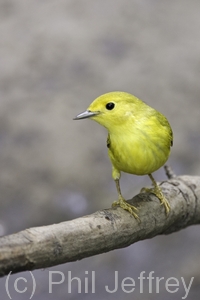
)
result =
(126, 206)
(158, 192)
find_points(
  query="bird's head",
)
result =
(112, 109)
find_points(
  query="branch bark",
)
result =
(103, 231)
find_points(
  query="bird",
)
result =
(139, 140)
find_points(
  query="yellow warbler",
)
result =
(139, 139)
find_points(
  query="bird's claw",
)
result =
(126, 206)
(158, 193)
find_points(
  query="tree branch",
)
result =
(103, 231)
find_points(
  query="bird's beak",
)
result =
(86, 114)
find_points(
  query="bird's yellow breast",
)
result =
(138, 150)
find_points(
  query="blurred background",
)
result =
(56, 57)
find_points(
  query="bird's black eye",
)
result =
(110, 105)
